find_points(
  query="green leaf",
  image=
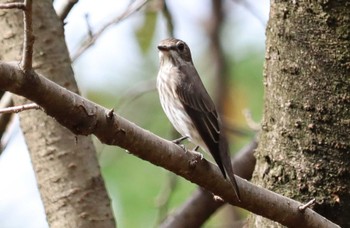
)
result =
(145, 32)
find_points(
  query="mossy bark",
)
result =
(304, 149)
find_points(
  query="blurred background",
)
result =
(119, 71)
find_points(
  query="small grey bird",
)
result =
(188, 105)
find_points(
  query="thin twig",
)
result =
(12, 5)
(65, 8)
(136, 91)
(6, 101)
(217, 56)
(27, 55)
(91, 40)
(169, 20)
(20, 108)
(88, 25)
(251, 123)
(164, 197)
(234, 129)
(303, 207)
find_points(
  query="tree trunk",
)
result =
(65, 165)
(304, 149)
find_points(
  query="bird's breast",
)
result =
(166, 85)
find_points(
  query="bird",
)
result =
(189, 107)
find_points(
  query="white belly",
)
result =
(174, 110)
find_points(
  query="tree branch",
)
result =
(12, 5)
(20, 108)
(28, 37)
(5, 102)
(84, 117)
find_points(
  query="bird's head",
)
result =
(174, 51)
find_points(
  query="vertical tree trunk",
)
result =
(304, 149)
(65, 165)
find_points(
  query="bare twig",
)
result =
(307, 205)
(27, 55)
(169, 20)
(137, 91)
(17, 109)
(235, 130)
(12, 5)
(251, 123)
(164, 196)
(65, 8)
(88, 41)
(88, 25)
(217, 56)
(6, 101)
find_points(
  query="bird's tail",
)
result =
(226, 162)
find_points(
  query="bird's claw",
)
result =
(183, 147)
(198, 157)
(217, 198)
(179, 140)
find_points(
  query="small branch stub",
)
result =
(12, 5)
(303, 207)
(27, 55)
(110, 114)
(17, 109)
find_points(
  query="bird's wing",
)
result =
(201, 109)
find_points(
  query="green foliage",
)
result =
(145, 32)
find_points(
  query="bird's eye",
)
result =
(180, 46)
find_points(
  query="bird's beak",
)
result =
(163, 48)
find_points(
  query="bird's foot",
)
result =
(198, 157)
(183, 147)
(217, 198)
(179, 140)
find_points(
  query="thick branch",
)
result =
(84, 117)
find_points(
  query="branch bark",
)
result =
(84, 117)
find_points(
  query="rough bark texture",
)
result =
(304, 149)
(65, 165)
